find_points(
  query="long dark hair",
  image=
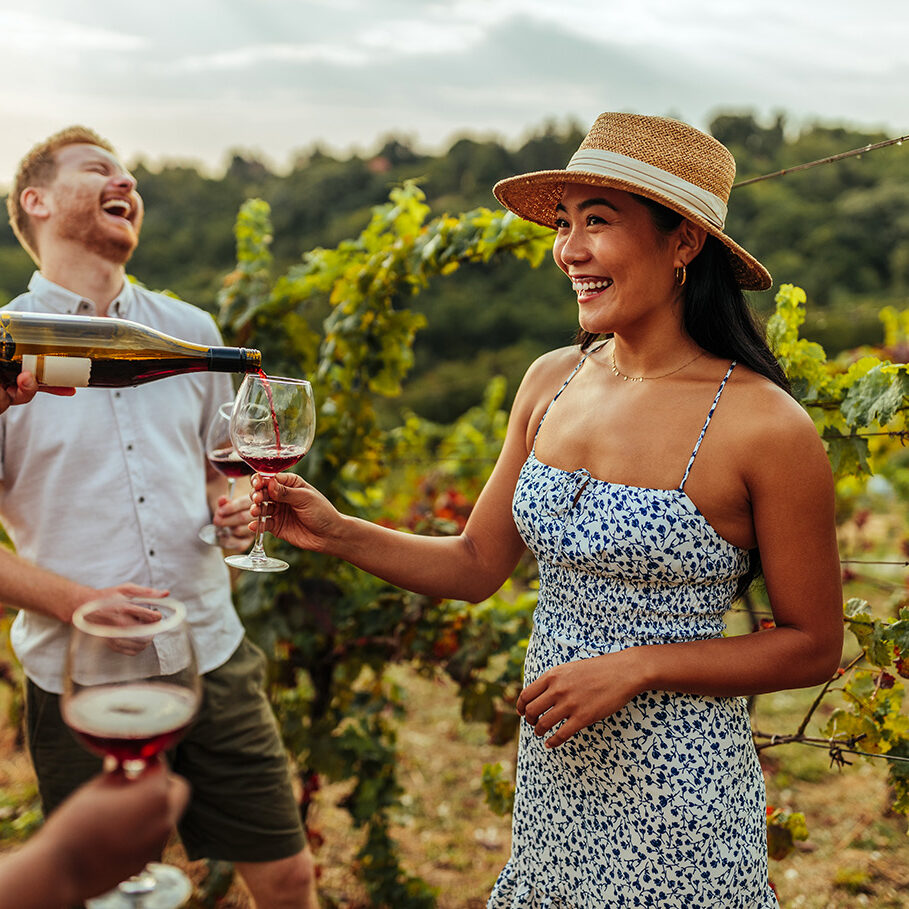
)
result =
(719, 319)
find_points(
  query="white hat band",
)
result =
(610, 164)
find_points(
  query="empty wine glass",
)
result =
(272, 426)
(131, 690)
(220, 454)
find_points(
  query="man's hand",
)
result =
(124, 591)
(25, 389)
(232, 519)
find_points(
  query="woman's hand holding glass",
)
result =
(297, 512)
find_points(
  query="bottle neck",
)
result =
(233, 359)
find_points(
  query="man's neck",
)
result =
(92, 277)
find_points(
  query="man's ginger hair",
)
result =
(38, 168)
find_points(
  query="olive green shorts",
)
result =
(242, 807)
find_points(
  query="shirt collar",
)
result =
(58, 299)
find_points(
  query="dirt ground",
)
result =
(857, 854)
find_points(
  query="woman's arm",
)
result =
(792, 501)
(470, 566)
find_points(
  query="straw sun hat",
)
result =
(663, 159)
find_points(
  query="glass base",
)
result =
(247, 563)
(172, 889)
(209, 534)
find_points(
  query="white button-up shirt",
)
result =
(108, 486)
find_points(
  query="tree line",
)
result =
(840, 231)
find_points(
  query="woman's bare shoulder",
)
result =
(761, 403)
(771, 425)
(553, 366)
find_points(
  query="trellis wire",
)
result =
(835, 747)
(872, 562)
(830, 159)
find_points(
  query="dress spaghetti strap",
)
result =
(574, 371)
(697, 444)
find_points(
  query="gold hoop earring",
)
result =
(681, 275)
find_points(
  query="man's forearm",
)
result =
(24, 585)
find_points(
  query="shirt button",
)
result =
(116, 394)
(151, 552)
(129, 447)
(141, 499)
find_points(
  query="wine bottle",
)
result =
(102, 352)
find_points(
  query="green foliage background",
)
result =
(841, 232)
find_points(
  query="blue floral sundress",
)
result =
(662, 804)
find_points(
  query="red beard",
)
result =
(82, 220)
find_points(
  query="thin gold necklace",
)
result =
(662, 375)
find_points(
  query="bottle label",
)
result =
(7, 344)
(69, 372)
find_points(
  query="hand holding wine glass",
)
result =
(131, 690)
(109, 828)
(272, 426)
(299, 514)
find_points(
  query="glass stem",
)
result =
(257, 553)
(222, 533)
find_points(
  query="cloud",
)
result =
(245, 58)
(422, 33)
(194, 78)
(27, 33)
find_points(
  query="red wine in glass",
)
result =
(220, 454)
(132, 722)
(272, 426)
(268, 463)
(229, 464)
(131, 689)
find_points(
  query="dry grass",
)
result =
(858, 851)
(450, 838)
(446, 833)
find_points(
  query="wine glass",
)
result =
(131, 689)
(220, 454)
(272, 425)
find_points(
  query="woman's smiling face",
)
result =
(621, 266)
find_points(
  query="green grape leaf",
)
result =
(873, 635)
(875, 397)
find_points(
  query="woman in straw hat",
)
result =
(651, 469)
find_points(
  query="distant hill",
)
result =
(840, 231)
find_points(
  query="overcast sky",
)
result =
(189, 80)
